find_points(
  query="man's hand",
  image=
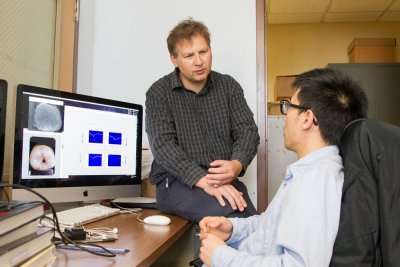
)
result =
(223, 172)
(209, 243)
(218, 226)
(228, 192)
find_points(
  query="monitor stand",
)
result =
(136, 202)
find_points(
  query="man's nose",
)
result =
(198, 60)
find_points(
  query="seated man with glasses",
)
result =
(300, 225)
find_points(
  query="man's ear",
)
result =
(173, 60)
(308, 119)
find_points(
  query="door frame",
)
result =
(262, 166)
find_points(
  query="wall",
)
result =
(122, 48)
(278, 157)
(294, 48)
(27, 30)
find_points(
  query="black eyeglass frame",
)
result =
(286, 102)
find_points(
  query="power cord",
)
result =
(64, 239)
(136, 211)
(127, 210)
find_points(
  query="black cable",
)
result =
(64, 238)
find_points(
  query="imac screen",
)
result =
(70, 140)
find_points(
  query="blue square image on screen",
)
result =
(115, 138)
(114, 160)
(95, 137)
(94, 160)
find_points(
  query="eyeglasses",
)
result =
(285, 105)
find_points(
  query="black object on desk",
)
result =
(136, 202)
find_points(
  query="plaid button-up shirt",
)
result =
(187, 131)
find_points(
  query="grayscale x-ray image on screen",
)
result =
(45, 117)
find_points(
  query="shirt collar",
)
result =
(312, 158)
(176, 82)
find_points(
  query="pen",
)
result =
(94, 249)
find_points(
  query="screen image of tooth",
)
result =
(42, 156)
(45, 117)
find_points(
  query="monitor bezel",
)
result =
(3, 111)
(84, 180)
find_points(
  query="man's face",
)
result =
(193, 58)
(292, 130)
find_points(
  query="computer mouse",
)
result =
(157, 220)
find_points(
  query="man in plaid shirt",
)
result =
(201, 132)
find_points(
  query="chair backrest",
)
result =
(369, 229)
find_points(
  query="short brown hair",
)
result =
(185, 30)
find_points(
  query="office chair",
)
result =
(369, 229)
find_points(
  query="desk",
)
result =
(145, 242)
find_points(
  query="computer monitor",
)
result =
(71, 147)
(3, 108)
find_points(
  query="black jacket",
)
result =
(369, 229)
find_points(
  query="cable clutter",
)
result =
(74, 238)
(101, 234)
(89, 235)
(75, 233)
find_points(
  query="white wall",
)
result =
(278, 157)
(27, 30)
(122, 47)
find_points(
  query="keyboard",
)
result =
(82, 215)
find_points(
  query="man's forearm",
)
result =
(243, 227)
(174, 160)
(227, 256)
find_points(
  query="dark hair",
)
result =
(185, 30)
(334, 98)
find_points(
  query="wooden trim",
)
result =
(262, 179)
(64, 59)
(76, 39)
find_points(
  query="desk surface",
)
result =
(145, 242)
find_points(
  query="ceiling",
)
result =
(315, 11)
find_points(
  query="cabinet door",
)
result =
(381, 83)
